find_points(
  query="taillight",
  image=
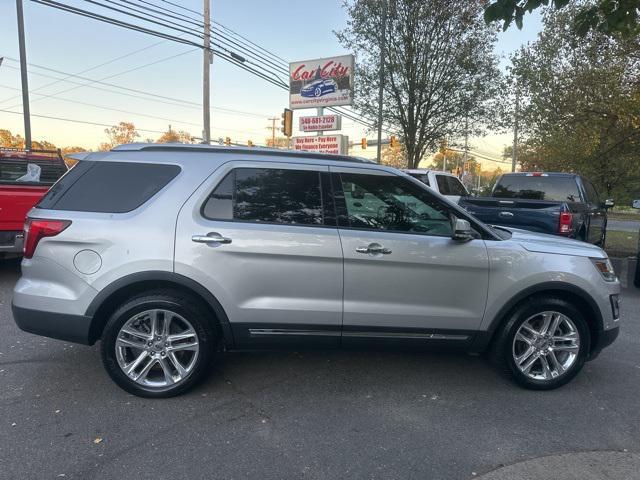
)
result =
(566, 220)
(36, 229)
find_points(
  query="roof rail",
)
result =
(200, 148)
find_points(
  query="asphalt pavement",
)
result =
(623, 225)
(316, 415)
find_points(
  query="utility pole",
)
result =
(206, 71)
(466, 137)
(273, 131)
(26, 113)
(383, 39)
(514, 153)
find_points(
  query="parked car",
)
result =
(25, 176)
(167, 253)
(318, 88)
(563, 204)
(444, 183)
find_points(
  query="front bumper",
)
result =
(72, 328)
(605, 338)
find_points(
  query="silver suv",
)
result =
(167, 253)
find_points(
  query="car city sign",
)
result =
(323, 82)
(336, 144)
(320, 123)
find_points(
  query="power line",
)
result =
(183, 29)
(120, 23)
(182, 7)
(110, 76)
(89, 69)
(77, 121)
(183, 103)
(225, 54)
(173, 120)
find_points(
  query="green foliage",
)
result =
(439, 63)
(610, 17)
(580, 108)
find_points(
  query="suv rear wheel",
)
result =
(158, 344)
(544, 344)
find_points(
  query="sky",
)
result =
(60, 43)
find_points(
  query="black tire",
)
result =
(502, 347)
(184, 305)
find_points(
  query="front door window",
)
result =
(386, 202)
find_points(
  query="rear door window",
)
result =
(456, 187)
(423, 177)
(443, 185)
(108, 187)
(592, 193)
(267, 195)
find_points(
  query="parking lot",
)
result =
(340, 414)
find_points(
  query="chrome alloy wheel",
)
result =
(157, 348)
(546, 345)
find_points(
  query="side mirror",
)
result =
(461, 230)
(609, 203)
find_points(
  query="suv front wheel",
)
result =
(544, 343)
(158, 344)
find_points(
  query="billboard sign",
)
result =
(320, 123)
(337, 144)
(323, 82)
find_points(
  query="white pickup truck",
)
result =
(444, 183)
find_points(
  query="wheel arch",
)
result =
(587, 306)
(105, 303)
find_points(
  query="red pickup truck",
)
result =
(25, 176)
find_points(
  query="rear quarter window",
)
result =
(108, 187)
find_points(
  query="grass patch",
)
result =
(621, 244)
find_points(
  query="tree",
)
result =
(453, 159)
(280, 142)
(7, 139)
(440, 68)
(393, 157)
(606, 16)
(175, 136)
(124, 132)
(66, 151)
(581, 104)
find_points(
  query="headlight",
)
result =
(603, 265)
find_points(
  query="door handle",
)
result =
(373, 249)
(212, 237)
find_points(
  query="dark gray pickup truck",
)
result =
(557, 203)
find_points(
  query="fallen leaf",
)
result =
(97, 440)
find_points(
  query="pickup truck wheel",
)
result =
(158, 344)
(544, 344)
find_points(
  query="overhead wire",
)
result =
(225, 53)
(153, 97)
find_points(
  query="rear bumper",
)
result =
(11, 242)
(72, 328)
